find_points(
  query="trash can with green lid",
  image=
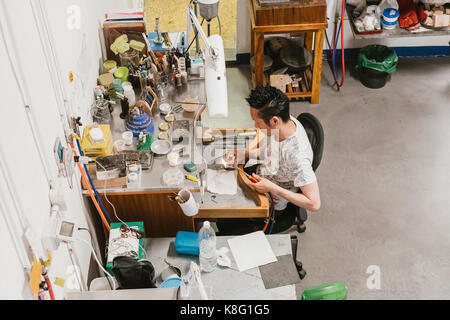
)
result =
(375, 64)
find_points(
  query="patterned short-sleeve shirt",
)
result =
(289, 164)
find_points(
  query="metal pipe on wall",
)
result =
(14, 230)
(23, 94)
(47, 42)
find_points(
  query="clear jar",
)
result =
(162, 88)
(131, 56)
(100, 111)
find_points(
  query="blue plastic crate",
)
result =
(187, 243)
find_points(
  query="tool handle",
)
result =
(254, 180)
(251, 178)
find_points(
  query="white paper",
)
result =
(221, 181)
(251, 250)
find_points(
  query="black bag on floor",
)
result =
(133, 274)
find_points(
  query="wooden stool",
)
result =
(299, 16)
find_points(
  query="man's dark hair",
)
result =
(270, 102)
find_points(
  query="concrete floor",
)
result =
(384, 181)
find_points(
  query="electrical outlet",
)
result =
(64, 161)
(59, 156)
(69, 165)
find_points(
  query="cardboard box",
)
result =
(441, 20)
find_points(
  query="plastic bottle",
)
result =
(129, 93)
(207, 244)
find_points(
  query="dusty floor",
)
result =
(384, 181)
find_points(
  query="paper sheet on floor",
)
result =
(221, 181)
(251, 250)
(280, 273)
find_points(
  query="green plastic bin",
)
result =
(329, 291)
(378, 57)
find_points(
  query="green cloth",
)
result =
(148, 143)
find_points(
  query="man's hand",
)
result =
(263, 185)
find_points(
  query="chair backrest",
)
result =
(314, 130)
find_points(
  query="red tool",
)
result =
(252, 178)
(272, 207)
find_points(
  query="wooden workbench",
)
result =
(299, 16)
(163, 217)
(149, 201)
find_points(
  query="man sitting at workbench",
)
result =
(286, 169)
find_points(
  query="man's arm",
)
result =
(308, 199)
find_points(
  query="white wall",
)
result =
(243, 34)
(21, 156)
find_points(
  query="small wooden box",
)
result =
(114, 29)
(294, 12)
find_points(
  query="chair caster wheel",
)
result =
(300, 270)
(302, 274)
(301, 228)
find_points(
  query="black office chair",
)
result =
(294, 215)
(314, 130)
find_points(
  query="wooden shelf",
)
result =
(287, 22)
(306, 85)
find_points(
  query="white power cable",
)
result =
(114, 208)
(98, 262)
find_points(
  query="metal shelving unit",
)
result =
(395, 33)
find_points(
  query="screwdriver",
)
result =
(192, 178)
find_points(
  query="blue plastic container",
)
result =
(171, 283)
(390, 15)
(390, 18)
(388, 25)
(187, 243)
